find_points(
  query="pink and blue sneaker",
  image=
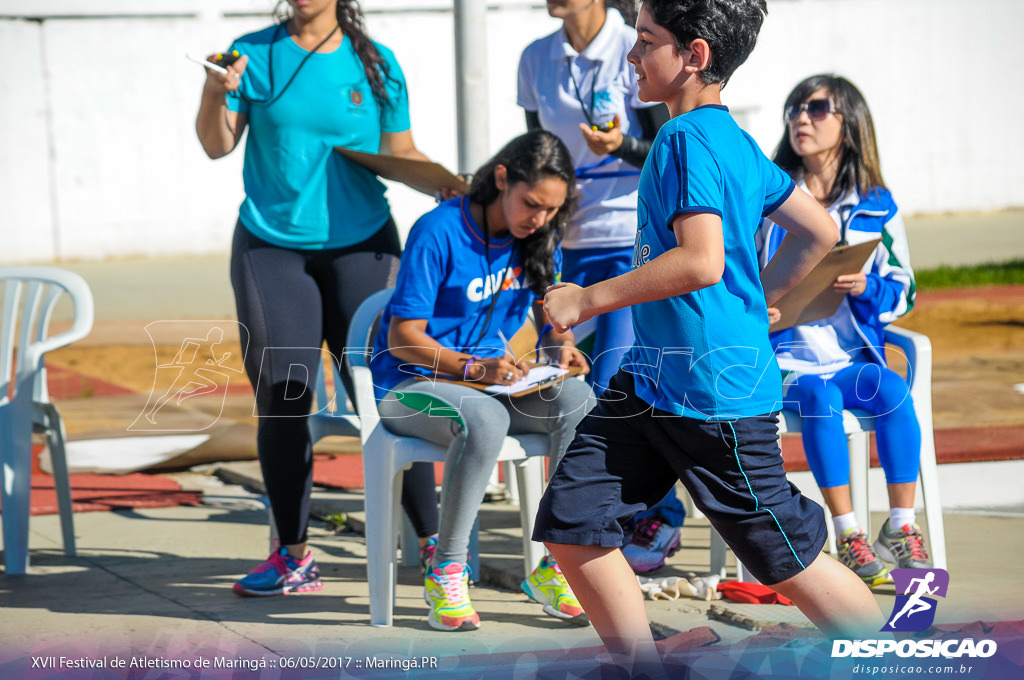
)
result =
(279, 575)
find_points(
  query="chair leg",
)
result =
(530, 483)
(410, 543)
(55, 439)
(16, 478)
(383, 489)
(830, 529)
(932, 504)
(513, 489)
(718, 549)
(859, 444)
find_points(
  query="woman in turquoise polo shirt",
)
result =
(314, 236)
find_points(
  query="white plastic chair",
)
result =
(385, 455)
(858, 424)
(30, 295)
(340, 422)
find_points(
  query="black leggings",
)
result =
(288, 303)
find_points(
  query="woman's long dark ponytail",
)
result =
(350, 18)
(530, 158)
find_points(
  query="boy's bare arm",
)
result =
(810, 233)
(696, 262)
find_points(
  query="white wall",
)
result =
(98, 156)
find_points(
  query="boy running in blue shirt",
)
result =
(696, 398)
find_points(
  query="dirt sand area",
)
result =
(977, 338)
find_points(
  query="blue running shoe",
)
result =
(279, 575)
(652, 541)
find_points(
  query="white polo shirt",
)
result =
(606, 214)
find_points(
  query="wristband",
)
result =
(469, 362)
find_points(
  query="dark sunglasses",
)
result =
(817, 109)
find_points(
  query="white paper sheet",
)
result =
(538, 375)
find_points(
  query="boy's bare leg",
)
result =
(834, 599)
(608, 590)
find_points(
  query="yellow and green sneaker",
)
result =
(548, 586)
(446, 590)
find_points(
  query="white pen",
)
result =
(508, 347)
(208, 64)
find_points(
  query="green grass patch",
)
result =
(991, 274)
(336, 521)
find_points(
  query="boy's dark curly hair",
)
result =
(729, 27)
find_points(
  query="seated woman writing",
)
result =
(472, 269)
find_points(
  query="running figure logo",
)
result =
(914, 610)
(198, 369)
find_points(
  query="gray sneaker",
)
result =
(904, 547)
(856, 553)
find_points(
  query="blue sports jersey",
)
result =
(706, 354)
(445, 278)
(299, 192)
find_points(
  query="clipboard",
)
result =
(423, 176)
(529, 388)
(813, 298)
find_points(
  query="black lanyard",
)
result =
(588, 114)
(844, 222)
(500, 286)
(270, 66)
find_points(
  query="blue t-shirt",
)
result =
(706, 354)
(445, 278)
(299, 192)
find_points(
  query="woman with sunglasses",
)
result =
(577, 83)
(314, 236)
(835, 363)
(472, 269)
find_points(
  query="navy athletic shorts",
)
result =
(627, 455)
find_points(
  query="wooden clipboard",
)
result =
(573, 371)
(813, 298)
(424, 176)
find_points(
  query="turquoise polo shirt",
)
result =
(299, 192)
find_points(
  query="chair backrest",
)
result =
(30, 295)
(358, 349)
(363, 327)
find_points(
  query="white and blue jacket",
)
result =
(826, 346)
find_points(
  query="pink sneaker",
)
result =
(652, 541)
(279, 575)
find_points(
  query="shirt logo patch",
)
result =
(481, 288)
(357, 97)
(603, 101)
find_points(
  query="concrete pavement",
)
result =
(156, 582)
